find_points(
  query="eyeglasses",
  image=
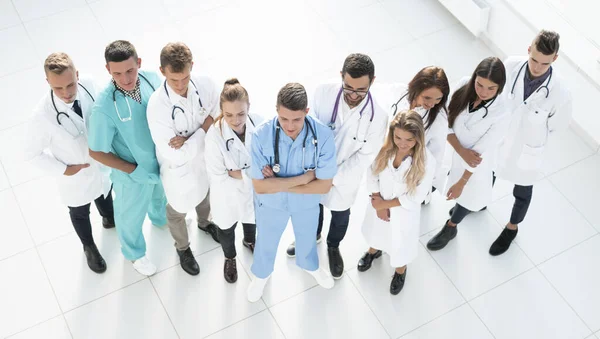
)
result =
(349, 91)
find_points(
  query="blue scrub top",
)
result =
(290, 158)
(129, 140)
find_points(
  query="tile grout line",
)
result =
(235, 323)
(164, 308)
(566, 302)
(368, 305)
(37, 324)
(43, 267)
(571, 203)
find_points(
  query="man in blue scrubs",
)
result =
(293, 165)
(119, 138)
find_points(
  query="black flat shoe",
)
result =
(336, 263)
(367, 259)
(397, 282)
(230, 271)
(248, 245)
(211, 229)
(503, 241)
(291, 250)
(188, 262)
(108, 223)
(443, 237)
(94, 260)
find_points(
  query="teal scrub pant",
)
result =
(131, 203)
(270, 225)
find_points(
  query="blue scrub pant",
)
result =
(131, 203)
(270, 225)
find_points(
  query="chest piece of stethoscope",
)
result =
(276, 168)
(331, 125)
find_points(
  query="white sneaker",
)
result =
(144, 266)
(256, 287)
(322, 277)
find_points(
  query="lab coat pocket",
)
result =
(537, 115)
(531, 157)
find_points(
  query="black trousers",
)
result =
(337, 227)
(80, 217)
(227, 238)
(522, 194)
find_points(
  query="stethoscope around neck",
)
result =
(545, 87)
(276, 166)
(334, 114)
(179, 109)
(59, 113)
(232, 140)
(126, 101)
(395, 107)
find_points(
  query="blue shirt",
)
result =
(531, 85)
(291, 163)
(129, 140)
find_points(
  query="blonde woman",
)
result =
(399, 179)
(227, 163)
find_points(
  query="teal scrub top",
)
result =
(290, 161)
(129, 140)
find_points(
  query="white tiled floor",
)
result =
(544, 287)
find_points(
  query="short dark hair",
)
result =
(546, 42)
(293, 97)
(358, 65)
(176, 55)
(119, 50)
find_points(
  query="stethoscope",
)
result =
(545, 87)
(395, 107)
(246, 166)
(335, 113)
(276, 167)
(58, 113)
(179, 109)
(126, 101)
(485, 106)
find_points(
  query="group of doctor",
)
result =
(211, 155)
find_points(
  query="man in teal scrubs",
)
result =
(119, 138)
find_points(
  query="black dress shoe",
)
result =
(108, 222)
(211, 229)
(230, 271)
(451, 211)
(367, 259)
(336, 263)
(442, 239)
(248, 245)
(94, 260)
(502, 243)
(397, 282)
(291, 250)
(188, 262)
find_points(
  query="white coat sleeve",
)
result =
(561, 117)
(437, 144)
(215, 165)
(490, 139)
(353, 168)
(372, 181)
(213, 102)
(413, 201)
(36, 149)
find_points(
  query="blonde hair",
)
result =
(57, 63)
(232, 91)
(409, 121)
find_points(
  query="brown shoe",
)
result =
(230, 270)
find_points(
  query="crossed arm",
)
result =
(306, 183)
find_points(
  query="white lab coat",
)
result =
(400, 236)
(231, 199)
(51, 148)
(354, 155)
(482, 135)
(532, 121)
(435, 135)
(183, 171)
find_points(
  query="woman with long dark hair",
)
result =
(478, 120)
(398, 180)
